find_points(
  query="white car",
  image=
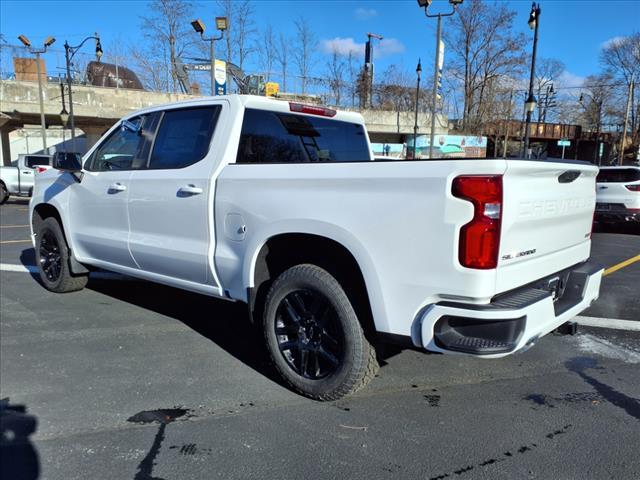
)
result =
(280, 205)
(618, 195)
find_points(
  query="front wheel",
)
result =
(314, 337)
(52, 258)
(4, 194)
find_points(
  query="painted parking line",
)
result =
(10, 267)
(13, 226)
(620, 265)
(15, 241)
(612, 323)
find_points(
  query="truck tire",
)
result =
(4, 194)
(52, 258)
(313, 335)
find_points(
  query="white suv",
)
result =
(618, 194)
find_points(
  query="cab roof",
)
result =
(253, 101)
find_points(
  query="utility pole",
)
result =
(626, 123)
(47, 43)
(438, 61)
(415, 125)
(434, 100)
(368, 67)
(530, 103)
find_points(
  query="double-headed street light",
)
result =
(47, 43)
(530, 104)
(437, 62)
(199, 27)
(69, 53)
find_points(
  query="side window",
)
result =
(183, 137)
(274, 137)
(121, 149)
(31, 161)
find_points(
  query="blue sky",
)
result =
(572, 31)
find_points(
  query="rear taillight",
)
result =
(41, 169)
(633, 188)
(312, 109)
(480, 238)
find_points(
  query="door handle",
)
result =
(189, 190)
(26, 172)
(116, 187)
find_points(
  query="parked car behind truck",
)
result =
(618, 195)
(281, 206)
(17, 179)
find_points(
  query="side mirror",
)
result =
(67, 161)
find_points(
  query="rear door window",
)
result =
(618, 175)
(183, 137)
(275, 137)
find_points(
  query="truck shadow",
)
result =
(624, 228)
(224, 323)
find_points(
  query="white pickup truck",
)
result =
(17, 179)
(280, 205)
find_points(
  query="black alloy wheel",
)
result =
(50, 256)
(313, 335)
(309, 335)
(53, 258)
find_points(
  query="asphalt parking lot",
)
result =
(131, 380)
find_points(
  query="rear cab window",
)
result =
(618, 175)
(32, 161)
(277, 137)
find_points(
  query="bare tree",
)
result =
(303, 54)
(282, 58)
(548, 70)
(621, 60)
(168, 36)
(267, 51)
(335, 74)
(239, 37)
(398, 92)
(353, 67)
(485, 47)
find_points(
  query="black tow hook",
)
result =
(568, 328)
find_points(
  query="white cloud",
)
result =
(611, 41)
(365, 13)
(568, 79)
(387, 46)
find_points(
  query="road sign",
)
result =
(198, 66)
(564, 143)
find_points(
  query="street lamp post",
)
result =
(64, 115)
(199, 27)
(530, 104)
(47, 43)
(434, 103)
(69, 53)
(415, 125)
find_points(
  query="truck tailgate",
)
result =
(546, 220)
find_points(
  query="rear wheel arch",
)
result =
(283, 251)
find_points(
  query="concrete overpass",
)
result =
(97, 108)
